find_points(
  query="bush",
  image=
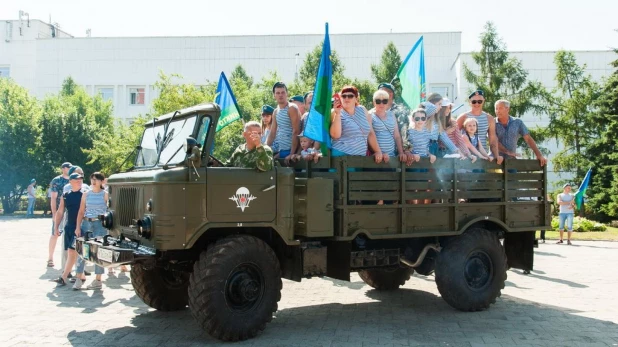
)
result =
(614, 224)
(581, 225)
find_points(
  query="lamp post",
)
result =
(296, 73)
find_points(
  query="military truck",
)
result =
(219, 240)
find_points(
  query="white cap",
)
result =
(446, 102)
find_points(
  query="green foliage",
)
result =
(71, 123)
(174, 96)
(580, 224)
(503, 77)
(387, 69)
(309, 69)
(116, 152)
(603, 153)
(20, 138)
(572, 105)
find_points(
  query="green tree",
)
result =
(603, 153)
(309, 69)
(571, 109)
(175, 96)
(116, 151)
(20, 139)
(503, 77)
(387, 69)
(72, 120)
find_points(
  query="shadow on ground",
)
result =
(416, 317)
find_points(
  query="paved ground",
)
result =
(569, 300)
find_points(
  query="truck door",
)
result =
(241, 195)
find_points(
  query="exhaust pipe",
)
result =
(421, 257)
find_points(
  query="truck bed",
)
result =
(510, 197)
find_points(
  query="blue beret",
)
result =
(73, 168)
(267, 109)
(476, 92)
(387, 86)
(298, 98)
(307, 94)
(32, 180)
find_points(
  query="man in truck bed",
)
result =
(252, 154)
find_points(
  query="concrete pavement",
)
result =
(568, 300)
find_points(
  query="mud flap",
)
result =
(519, 249)
(338, 256)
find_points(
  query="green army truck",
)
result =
(220, 239)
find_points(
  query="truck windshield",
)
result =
(170, 147)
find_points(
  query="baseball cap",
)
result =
(446, 102)
(566, 185)
(75, 176)
(32, 180)
(66, 164)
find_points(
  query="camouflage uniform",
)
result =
(260, 158)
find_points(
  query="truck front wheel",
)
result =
(164, 290)
(471, 270)
(235, 287)
(386, 279)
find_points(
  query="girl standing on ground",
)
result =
(94, 204)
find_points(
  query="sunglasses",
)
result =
(348, 96)
(382, 101)
(419, 119)
(474, 102)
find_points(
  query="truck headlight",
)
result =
(144, 227)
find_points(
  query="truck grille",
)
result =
(127, 204)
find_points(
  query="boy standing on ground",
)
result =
(566, 201)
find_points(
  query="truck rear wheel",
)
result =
(471, 270)
(164, 290)
(235, 287)
(386, 279)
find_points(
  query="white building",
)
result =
(39, 57)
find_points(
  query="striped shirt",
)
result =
(442, 136)
(283, 138)
(385, 132)
(354, 132)
(419, 139)
(482, 128)
(457, 138)
(95, 204)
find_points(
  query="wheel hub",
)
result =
(478, 270)
(244, 287)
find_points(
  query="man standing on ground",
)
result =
(509, 129)
(31, 198)
(57, 184)
(285, 123)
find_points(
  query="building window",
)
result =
(443, 90)
(137, 96)
(5, 71)
(106, 93)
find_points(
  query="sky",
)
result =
(524, 25)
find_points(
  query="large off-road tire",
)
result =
(235, 287)
(164, 290)
(386, 279)
(471, 270)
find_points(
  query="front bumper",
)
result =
(111, 252)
